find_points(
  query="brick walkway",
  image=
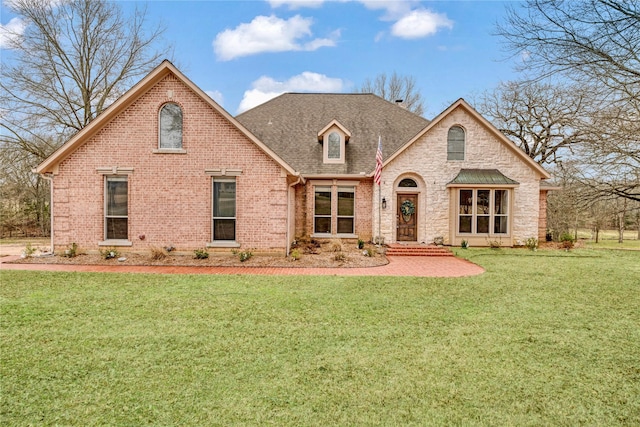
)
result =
(398, 266)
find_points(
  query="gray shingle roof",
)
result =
(289, 125)
(482, 176)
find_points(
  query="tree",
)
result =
(73, 59)
(396, 88)
(596, 44)
(546, 121)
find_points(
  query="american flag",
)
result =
(378, 173)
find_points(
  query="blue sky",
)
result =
(243, 52)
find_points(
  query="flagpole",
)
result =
(379, 213)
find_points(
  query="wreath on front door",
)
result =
(407, 208)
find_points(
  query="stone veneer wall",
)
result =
(427, 159)
(170, 195)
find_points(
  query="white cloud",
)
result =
(266, 88)
(420, 23)
(268, 34)
(296, 4)
(217, 96)
(10, 33)
(394, 9)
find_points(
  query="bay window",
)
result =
(483, 211)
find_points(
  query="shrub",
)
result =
(157, 253)
(295, 254)
(72, 252)
(201, 253)
(336, 245)
(567, 240)
(532, 243)
(109, 253)
(369, 252)
(242, 255)
(360, 244)
(464, 244)
(339, 256)
(29, 250)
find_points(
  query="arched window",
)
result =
(333, 150)
(170, 127)
(455, 143)
(407, 183)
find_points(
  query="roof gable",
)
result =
(461, 103)
(49, 165)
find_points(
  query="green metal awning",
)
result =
(485, 177)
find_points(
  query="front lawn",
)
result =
(544, 338)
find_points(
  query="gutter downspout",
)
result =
(49, 177)
(289, 219)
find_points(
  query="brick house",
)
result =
(166, 165)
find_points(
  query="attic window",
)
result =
(333, 146)
(170, 127)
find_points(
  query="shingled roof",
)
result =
(289, 125)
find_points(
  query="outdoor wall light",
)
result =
(384, 203)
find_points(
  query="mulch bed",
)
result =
(329, 253)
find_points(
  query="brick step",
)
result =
(417, 250)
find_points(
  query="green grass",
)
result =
(544, 338)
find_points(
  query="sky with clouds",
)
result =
(243, 53)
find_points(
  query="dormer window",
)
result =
(334, 137)
(333, 146)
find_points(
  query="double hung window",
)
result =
(116, 208)
(329, 219)
(224, 209)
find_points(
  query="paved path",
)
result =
(417, 266)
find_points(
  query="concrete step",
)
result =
(396, 249)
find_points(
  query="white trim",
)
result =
(169, 151)
(223, 244)
(115, 242)
(223, 172)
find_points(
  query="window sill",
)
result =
(169, 151)
(334, 236)
(115, 242)
(223, 244)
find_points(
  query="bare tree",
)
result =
(595, 43)
(593, 40)
(74, 58)
(546, 121)
(396, 88)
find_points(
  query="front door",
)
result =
(407, 214)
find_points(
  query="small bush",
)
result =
(157, 253)
(109, 253)
(201, 253)
(494, 244)
(567, 240)
(339, 256)
(464, 244)
(531, 243)
(336, 245)
(28, 250)
(242, 255)
(369, 252)
(72, 252)
(360, 244)
(295, 254)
